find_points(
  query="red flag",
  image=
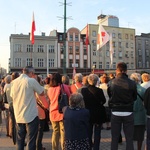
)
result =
(32, 30)
(87, 38)
(103, 37)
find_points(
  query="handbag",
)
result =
(62, 99)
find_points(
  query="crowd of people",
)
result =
(112, 102)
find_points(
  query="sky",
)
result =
(16, 17)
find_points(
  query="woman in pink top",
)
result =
(55, 117)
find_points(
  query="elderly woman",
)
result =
(139, 112)
(94, 99)
(78, 82)
(76, 124)
(9, 100)
(146, 80)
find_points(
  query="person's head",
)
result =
(121, 67)
(104, 79)
(47, 80)
(78, 77)
(76, 100)
(55, 80)
(111, 76)
(85, 81)
(145, 77)
(65, 79)
(93, 79)
(136, 77)
(15, 75)
(8, 79)
(29, 70)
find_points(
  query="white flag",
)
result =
(111, 50)
(102, 38)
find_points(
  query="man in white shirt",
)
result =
(25, 107)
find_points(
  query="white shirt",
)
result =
(24, 102)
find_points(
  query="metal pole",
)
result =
(47, 61)
(64, 40)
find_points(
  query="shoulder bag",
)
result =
(62, 99)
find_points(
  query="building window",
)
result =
(60, 37)
(29, 62)
(77, 49)
(84, 50)
(139, 52)
(139, 64)
(51, 48)
(127, 65)
(120, 54)
(78, 62)
(119, 44)
(70, 50)
(76, 38)
(132, 66)
(40, 48)
(85, 64)
(17, 48)
(114, 53)
(113, 35)
(51, 63)
(127, 45)
(100, 65)
(147, 52)
(114, 44)
(107, 65)
(61, 49)
(94, 42)
(114, 65)
(147, 64)
(132, 45)
(94, 33)
(29, 48)
(146, 42)
(94, 52)
(71, 38)
(126, 36)
(17, 62)
(40, 62)
(107, 53)
(131, 36)
(70, 63)
(132, 54)
(119, 35)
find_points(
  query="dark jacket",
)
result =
(123, 93)
(76, 123)
(147, 101)
(94, 103)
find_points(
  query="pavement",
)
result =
(7, 144)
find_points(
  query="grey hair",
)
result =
(76, 100)
(78, 77)
(8, 79)
(93, 79)
(28, 69)
(135, 77)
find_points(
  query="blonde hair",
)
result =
(145, 77)
(135, 77)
